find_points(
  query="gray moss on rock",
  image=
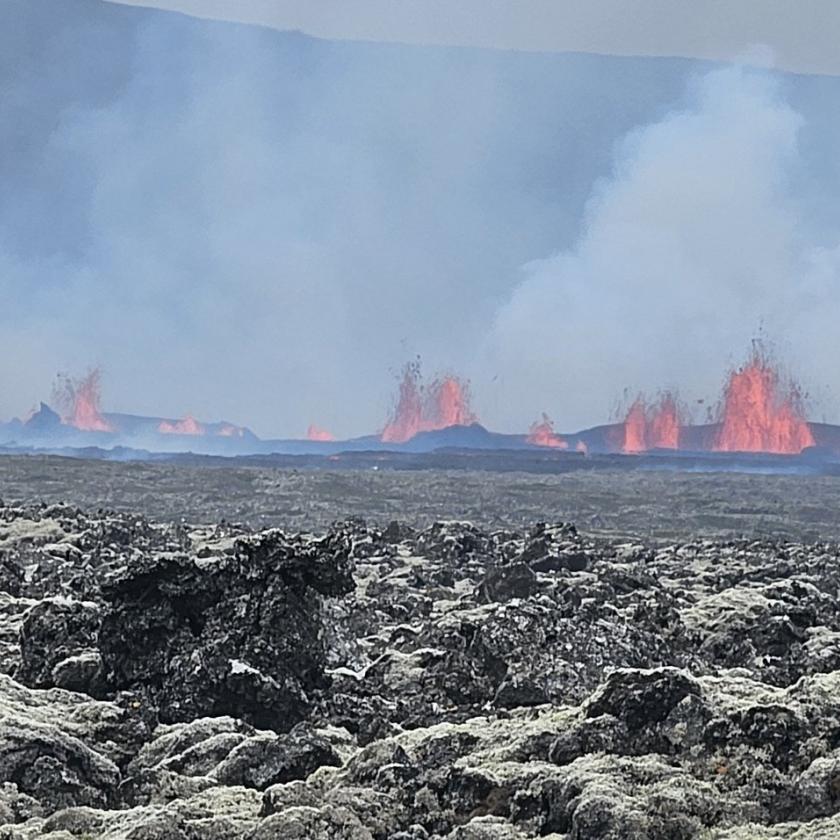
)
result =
(446, 683)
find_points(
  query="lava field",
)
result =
(394, 682)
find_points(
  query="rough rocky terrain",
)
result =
(173, 681)
(662, 505)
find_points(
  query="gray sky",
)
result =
(250, 225)
(802, 35)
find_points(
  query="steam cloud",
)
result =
(263, 227)
(694, 241)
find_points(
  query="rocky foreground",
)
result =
(160, 681)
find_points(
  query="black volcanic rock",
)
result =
(447, 682)
(59, 646)
(262, 761)
(553, 548)
(233, 634)
(11, 575)
(502, 583)
(65, 749)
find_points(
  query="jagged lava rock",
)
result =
(405, 684)
(237, 634)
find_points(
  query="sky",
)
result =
(802, 36)
(263, 227)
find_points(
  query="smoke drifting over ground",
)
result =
(243, 224)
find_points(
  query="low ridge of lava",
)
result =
(760, 411)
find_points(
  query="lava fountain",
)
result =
(664, 423)
(186, 426)
(542, 434)
(80, 401)
(654, 426)
(761, 412)
(447, 403)
(635, 429)
(421, 408)
(407, 416)
(316, 433)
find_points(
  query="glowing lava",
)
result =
(318, 434)
(421, 408)
(187, 426)
(80, 401)
(635, 429)
(761, 412)
(542, 434)
(408, 414)
(664, 423)
(654, 426)
(448, 404)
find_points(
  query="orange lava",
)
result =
(635, 429)
(654, 426)
(80, 400)
(317, 433)
(664, 423)
(448, 404)
(421, 408)
(761, 412)
(542, 434)
(187, 426)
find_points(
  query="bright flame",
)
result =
(761, 413)
(635, 429)
(227, 430)
(664, 423)
(187, 426)
(421, 408)
(79, 400)
(448, 404)
(654, 426)
(542, 434)
(317, 433)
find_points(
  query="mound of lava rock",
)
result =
(162, 681)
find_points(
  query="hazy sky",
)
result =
(263, 227)
(803, 35)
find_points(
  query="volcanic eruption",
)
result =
(186, 426)
(542, 434)
(655, 426)
(761, 410)
(79, 402)
(317, 433)
(426, 408)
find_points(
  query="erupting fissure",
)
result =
(79, 401)
(542, 434)
(655, 426)
(186, 426)
(318, 434)
(427, 408)
(761, 412)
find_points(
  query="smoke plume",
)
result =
(697, 238)
(243, 224)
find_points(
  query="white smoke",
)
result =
(260, 227)
(694, 242)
